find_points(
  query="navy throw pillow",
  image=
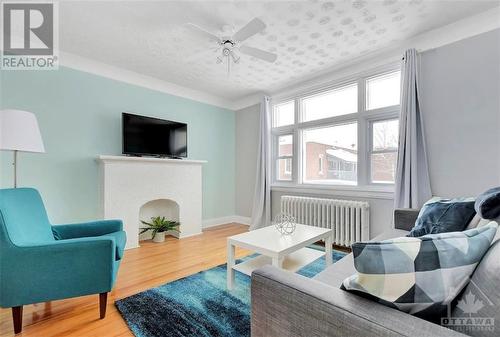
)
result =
(443, 215)
(488, 204)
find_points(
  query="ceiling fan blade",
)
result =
(251, 28)
(259, 53)
(202, 32)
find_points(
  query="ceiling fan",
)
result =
(230, 44)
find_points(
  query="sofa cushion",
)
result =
(336, 273)
(477, 222)
(420, 276)
(488, 204)
(481, 297)
(440, 215)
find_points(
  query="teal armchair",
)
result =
(40, 262)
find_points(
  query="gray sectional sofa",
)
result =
(288, 304)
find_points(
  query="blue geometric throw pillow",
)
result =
(440, 215)
(420, 276)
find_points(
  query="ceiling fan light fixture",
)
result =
(228, 45)
(236, 59)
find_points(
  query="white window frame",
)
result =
(303, 181)
(370, 147)
(274, 119)
(363, 118)
(276, 157)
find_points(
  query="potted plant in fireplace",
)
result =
(158, 226)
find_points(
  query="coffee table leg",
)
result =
(278, 262)
(230, 264)
(328, 250)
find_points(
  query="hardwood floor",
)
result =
(150, 265)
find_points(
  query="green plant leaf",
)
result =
(160, 224)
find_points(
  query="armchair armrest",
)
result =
(404, 218)
(86, 229)
(58, 269)
(288, 304)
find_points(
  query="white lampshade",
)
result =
(19, 131)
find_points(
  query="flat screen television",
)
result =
(148, 136)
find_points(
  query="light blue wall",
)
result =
(80, 118)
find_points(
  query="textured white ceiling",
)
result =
(309, 37)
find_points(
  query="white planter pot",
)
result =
(159, 237)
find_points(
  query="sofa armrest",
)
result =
(288, 304)
(404, 218)
(86, 229)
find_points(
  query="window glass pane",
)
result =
(383, 167)
(285, 145)
(383, 91)
(284, 114)
(338, 147)
(285, 169)
(333, 103)
(385, 135)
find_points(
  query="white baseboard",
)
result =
(225, 220)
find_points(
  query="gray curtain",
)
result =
(261, 212)
(412, 174)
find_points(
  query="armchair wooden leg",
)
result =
(103, 301)
(17, 318)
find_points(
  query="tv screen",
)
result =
(153, 136)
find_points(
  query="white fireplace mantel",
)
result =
(104, 158)
(129, 183)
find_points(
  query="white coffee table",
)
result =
(283, 251)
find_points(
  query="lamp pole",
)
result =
(15, 168)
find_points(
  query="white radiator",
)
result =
(349, 220)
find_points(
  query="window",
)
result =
(285, 155)
(383, 91)
(288, 166)
(338, 143)
(336, 102)
(284, 114)
(344, 135)
(384, 151)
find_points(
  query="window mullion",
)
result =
(382, 151)
(274, 156)
(363, 136)
(297, 145)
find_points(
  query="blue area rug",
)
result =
(198, 305)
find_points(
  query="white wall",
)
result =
(461, 106)
(247, 132)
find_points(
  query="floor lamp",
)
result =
(19, 132)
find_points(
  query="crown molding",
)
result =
(453, 32)
(91, 66)
(248, 101)
(456, 31)
(123, 75)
